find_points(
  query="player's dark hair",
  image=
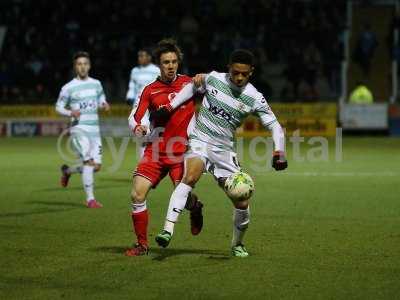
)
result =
(80, 54)
(146, 49)
(165, 46)
(242, 56)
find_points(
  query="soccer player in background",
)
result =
(166, 143)
(141, 75)
(80, 100)
(228, 99)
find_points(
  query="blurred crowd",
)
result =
(298, 44)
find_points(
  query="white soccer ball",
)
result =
(239, 186)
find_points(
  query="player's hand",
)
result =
(198, 80)
(140, 130)
(75, 114)
(162, 112)
(106, 106)
(279, 161)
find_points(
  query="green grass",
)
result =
(328, 230)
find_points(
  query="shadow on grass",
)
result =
(57, 203)
(128, 179)
(161, 254)
(78, 188)
(158, 254)
(36, 212)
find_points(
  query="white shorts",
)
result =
(220, 163)
(87, 147)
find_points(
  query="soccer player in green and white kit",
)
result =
(80, 99)
(228, 99)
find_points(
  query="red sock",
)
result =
(140, 221)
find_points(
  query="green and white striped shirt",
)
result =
(83, 95)
(224, 108)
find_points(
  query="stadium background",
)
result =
(309, 60)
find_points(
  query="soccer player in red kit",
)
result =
(167, 139)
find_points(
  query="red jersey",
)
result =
(174, 137)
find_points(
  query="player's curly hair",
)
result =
(80, 54)
(165, 46)
(242, 56)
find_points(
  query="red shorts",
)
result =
(156, 168)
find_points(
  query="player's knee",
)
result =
(137, 196)
(241, 204)
(89, 163)
(190, 179)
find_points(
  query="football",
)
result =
(239, 186)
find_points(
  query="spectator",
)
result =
(276, 30)
(361, 95)
(365, 48)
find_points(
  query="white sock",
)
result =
(75, 169)
(139, 207)
(87, 180)
(241, 219)
(176, 205)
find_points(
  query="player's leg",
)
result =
(67, 171)
(83, 145)
(147, 175)
(88, 183)
(193, 204)
(91, 167)
(194, 167)
(140, 216)
(225, 164)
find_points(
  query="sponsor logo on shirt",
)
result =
(220, 112)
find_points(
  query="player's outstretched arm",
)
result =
(279, 161)
(199, 80)
(184, 95)
(268, 119)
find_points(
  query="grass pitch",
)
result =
(320, 230)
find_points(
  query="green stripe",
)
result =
(236, 113)
(247, 100)
(195, 137)
(223, 87)
(91, 122)
(210, 132)
(84, 86)
(214, 119)
(82, 99)
(77, 145)
(89, 112)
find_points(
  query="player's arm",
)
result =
(138, 120)
(62, 102)
(132, 93)
(270, 122)
(188, 91)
